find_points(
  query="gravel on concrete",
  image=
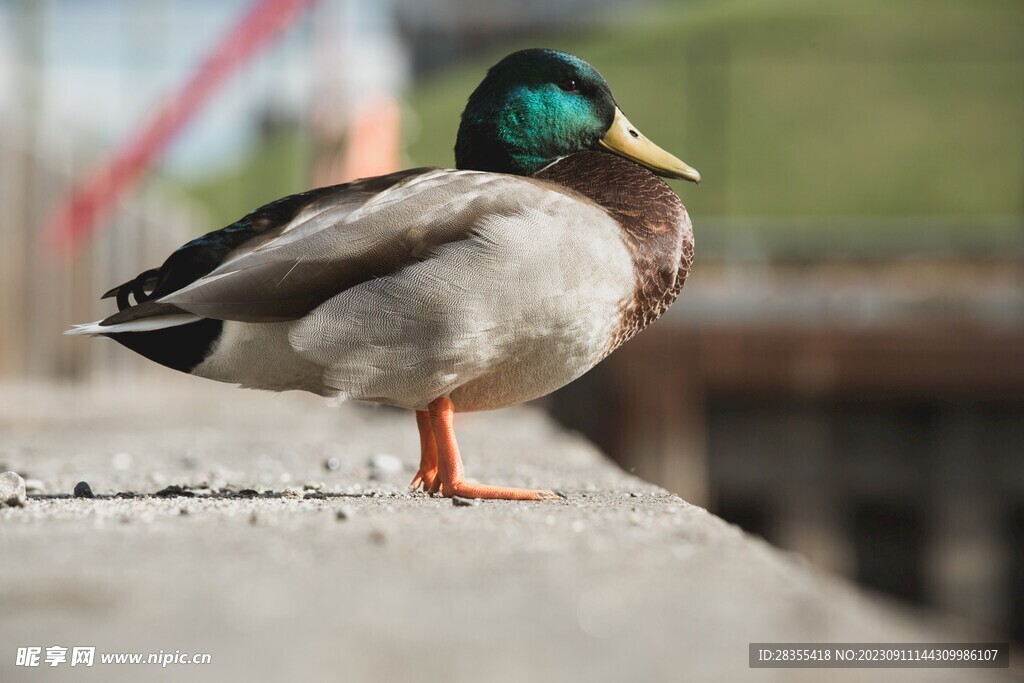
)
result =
(268, 531)
(12, 490)
(83, 490)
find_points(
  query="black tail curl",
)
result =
(141, 287)
(181, 347)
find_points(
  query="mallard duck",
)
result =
(438, 290)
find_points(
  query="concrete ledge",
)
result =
(621, 582)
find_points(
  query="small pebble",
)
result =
(332, 464)
(82, 490)
(12, 490)
(174, 491)
(183, 512)
(343, 514)
(458, 501)
(293, 492)
(313, 485)
(248, 493)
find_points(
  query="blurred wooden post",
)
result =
(16, 168)
(40, 296)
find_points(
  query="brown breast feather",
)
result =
(655, 225)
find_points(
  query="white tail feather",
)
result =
(158, 322)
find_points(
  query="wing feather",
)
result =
(341, 240)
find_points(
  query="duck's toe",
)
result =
(465, 489)
(427, 478)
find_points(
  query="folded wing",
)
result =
(366, 230)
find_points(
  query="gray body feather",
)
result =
(493, 289)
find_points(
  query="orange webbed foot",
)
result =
(450, 478)
(465, 489)
(426, 479)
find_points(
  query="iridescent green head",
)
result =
(536, 106)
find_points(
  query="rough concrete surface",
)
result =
(295, 553)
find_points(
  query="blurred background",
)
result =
(844, 372)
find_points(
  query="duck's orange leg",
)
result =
(427, 476)
(449, 462)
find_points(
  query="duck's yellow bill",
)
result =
(625, 140)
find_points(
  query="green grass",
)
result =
(815, 110)
(809, 107)
(277, 166)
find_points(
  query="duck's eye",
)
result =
(568, 85)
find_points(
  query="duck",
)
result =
(551, 243)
